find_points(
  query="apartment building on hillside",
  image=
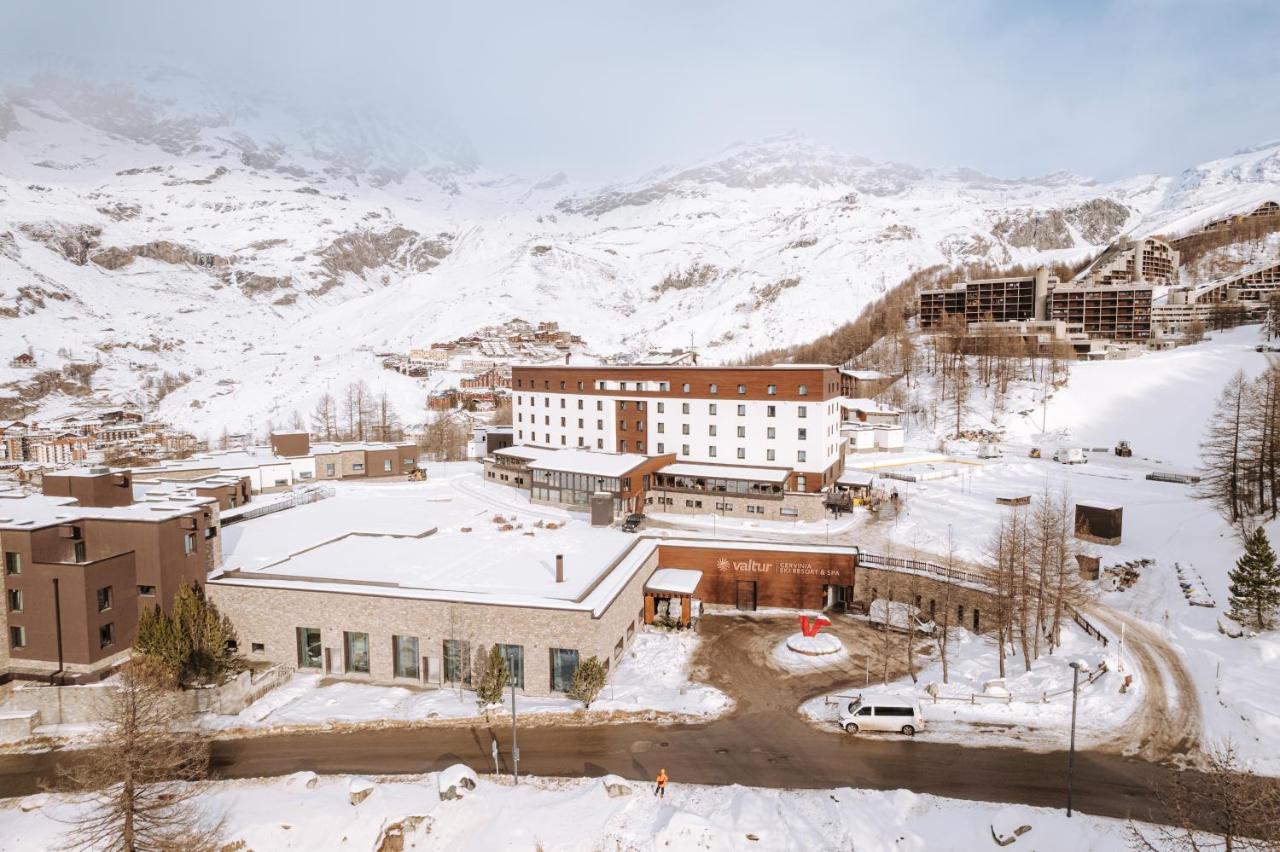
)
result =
(1145, 261)
(786, 416)
(83, 559)
(1110, 300)
(1015, 299)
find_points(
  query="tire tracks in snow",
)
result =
(1168, 724)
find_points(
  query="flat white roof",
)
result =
(855, 477)
(593, 464)
(407, 540)
(523, 452)
(724, 471)
(676, 581)
(37, 510)
(1095, 504)
(864, 404)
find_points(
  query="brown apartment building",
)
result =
(82, 560)
(1015, 299)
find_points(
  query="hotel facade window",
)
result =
(457, 661)
(514, 655)
(405, 651)
(564, 662)
(355, 652)
(310, 649)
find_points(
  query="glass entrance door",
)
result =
(747, 594)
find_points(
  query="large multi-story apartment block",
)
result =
(786, 416)
(1109, 300)
(1015, 299)
(1106, 313)
(1146, 261)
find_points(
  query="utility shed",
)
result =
(1100, 523)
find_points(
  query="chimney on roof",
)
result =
(559, 567)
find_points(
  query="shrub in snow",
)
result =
(588, 680)
(1010, 823)
(359, 789)
(456, 781)
(616, 785)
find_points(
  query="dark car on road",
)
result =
(632, 523)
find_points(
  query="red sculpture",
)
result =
(811, 628)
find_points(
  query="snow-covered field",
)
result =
(653, 676)
(579, 814)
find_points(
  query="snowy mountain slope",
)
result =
(270, 265)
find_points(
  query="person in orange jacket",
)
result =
(661, 790)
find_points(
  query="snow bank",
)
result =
(580, 814)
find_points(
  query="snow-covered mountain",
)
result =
(271, 263)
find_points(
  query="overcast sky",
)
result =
(612, 88)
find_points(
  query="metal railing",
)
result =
(919, 566)
(300, 497)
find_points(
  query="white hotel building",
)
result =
(784, 417)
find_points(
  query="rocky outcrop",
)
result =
(1099, 221)
(398, 248)
(696, 275)
(74, 242)
(253, 284)
(1035, 230)
(120, 212)
(162, 250)
(766, 294)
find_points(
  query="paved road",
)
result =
(769, 749)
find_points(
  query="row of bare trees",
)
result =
(1032, 566)
(1240, 454)
(356, 414)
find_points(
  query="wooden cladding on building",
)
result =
(753, 578)
(792, 384)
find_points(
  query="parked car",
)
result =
(1070, 455)
(892, 615)
(882, 713)
(632, 523)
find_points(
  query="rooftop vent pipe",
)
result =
(559, 567)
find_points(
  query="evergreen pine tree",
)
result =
(1255, 583)
(493, 679)
(588, 680)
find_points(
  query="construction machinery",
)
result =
(418, 475)
(1035, 453)
(1124, 450)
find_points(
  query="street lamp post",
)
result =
(1071, 752)
(515, 748)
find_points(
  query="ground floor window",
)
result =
(356, 652)
(564, 662)
(17, 637)
(405, 651)
(310, 653)
(457, 661)
(514, 655)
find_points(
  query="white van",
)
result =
(882, 713)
